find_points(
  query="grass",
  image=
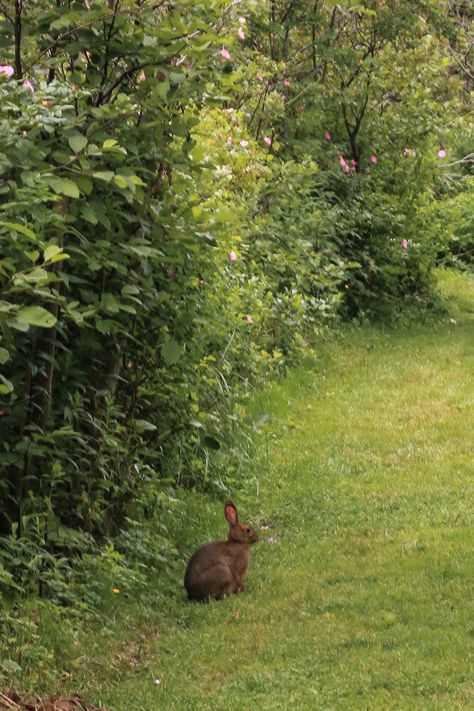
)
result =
(360, 596)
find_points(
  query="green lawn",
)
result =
(360, 595)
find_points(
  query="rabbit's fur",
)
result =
(218, 569)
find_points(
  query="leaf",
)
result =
(77, 142)
(143, 426)
(51, 250)
(64, 186)
(32, 255)
(4, 356)
(19, 228)
(84, 184)
(171, 352)
(7, 386)
(120, 181)
(37, 316)
(106, 175)
(108, 144)
(89, 215)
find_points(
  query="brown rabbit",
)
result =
(218, 569)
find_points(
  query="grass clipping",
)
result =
(14, 702)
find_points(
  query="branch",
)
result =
(100, 18)
(7, 15)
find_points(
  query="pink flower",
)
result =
(244, 143)
(353, 165)
(343, 164)
(249, 319)
(6, 69)
(268, 140)
(407, 151)
(241, 33)
(233, 256)
(404, 244)
(225, 54)
(242, 20)
(229, 141)
(442, 153)
(327, 136)
(28, 85)
(200, 281)
(373, 159)
(286, 82)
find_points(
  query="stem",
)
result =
(17, 33)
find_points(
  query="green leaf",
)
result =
(32, 255)
(171, 352)
(50, 251)
(7, 386)
(106, 175)
(77, 142)
(14, 226)
(143, 426)
(108, 144)
(84, 184)
(120, 181)
(37, 316)
(89, 215)
(4, 356)
(64, 186)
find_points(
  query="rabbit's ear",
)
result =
(231, 513)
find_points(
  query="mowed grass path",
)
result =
(364, 598)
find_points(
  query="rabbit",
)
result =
(218, 569)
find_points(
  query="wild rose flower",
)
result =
(241, 33)
(373, 159)
(327, 136)
(404, 244)
(407, 151)
(343, 164)
(242, 20)
(249, 319)
(7, 69)
(28, 85)
(353, 165)
(229, 141)
(233, 256)
(286, 82)
(225, 54)
(268, 140)
(442, 153)
(244, 143)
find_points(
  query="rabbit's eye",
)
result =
(247, 529)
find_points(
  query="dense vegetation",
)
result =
(190, 193)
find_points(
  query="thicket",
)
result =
(190, 192)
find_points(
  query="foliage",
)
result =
(190, 194)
